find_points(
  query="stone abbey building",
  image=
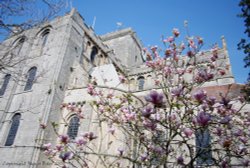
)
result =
(58, 59)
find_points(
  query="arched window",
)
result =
(73, 127)
(13, 129)
(141, 82)
(45, 35)
(30, 78)
(203, 147)
(93, 54)
(5, 84)
(19, 45)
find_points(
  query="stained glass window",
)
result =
(141, 82)
(73, 127)
(203, 148)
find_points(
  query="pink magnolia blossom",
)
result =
(157, 82)
(144, 157)
(155, 98)
(200, 40)
(47, 146)
(164, 40)
(50, 152)
(66, 156)
(180, 71)
(218, 131)
(168, 52)
(80, 141)
(59, 147)
(211, 100)
(156, 149)
(156, 117)
(224, 164)
(90, 136)
(188, 132)
(149, 124)
(225, 120)
(144, 49)
(203, 75)
(172, 117)
(177, 92)
(238, 132)
(213, 58)
(214, 51)
(203, 119)
(243, 139)
(156, 54)
(64, 139)
(200, 95)
(101, 109)
(170, 39)
(241, 149)
(182, 47)
(167, 71)
(176, 32)
(146, 112)
(154, 48)
(130, 116)
(180, 160)
(190, 54)
(91, 90)
(191, 44)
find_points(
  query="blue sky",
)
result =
(151, 19)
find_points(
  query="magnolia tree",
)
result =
(176, 125)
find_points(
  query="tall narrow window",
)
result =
(203, 148)
(73, 127)
(30, 78)
(45, 37)
(93, 54)
(15, 51)
(19, 46)
(13, 129)
(141, 82)
(5, 84)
